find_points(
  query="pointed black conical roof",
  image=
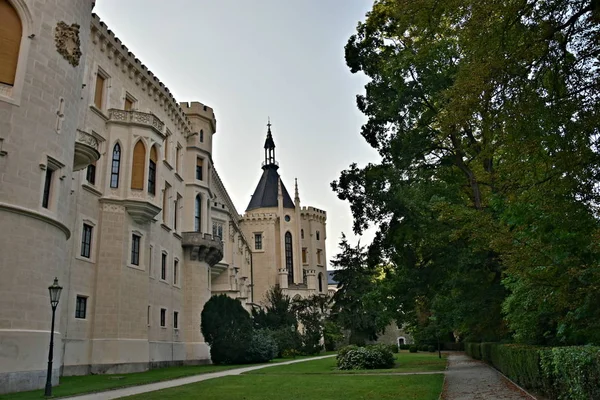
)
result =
(266, 191)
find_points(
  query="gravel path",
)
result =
(469, 379)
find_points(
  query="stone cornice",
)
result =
(37, 215)
(138, 73)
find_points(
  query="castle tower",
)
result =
(41, 146)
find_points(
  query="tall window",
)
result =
(80, 307)
(10, 42)
(304, 255)
(165, 203)
(137, 168)
(99, 93)
(258, 241)
(163, 267)
(90, 174)
(318, 235)
(320, 282)
(128, 106)
(201, 136)
(319, 257)
(302, 233)
(47, 187)
(86, 240)
(175, 213)
(289, 257)
(163, 317)
(198, 213)
(177, 152)
(175, 320)
(115, 167)
(135, 249)
(152, 171)
(175, 272)
(199, 169)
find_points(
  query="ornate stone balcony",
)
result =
(204, 247)
(139, 205)
(139, 118)
(86, 150)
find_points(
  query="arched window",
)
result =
(289, 257)
(137, 167)
(302, 233)
(198, 213)
(320, 282)
(115, 167)
(152, 171)
(11, 31)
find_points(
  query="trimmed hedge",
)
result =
(557, 373)
(404, 346)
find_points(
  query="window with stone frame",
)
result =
(115, 166)
(163, 317)
(90, 174)
(48, 180)
(11, 31)
(152, 171)
(86, 240)
(289, 257)
(163, 267)
(80, 307)
(175, 272)
(138, 165)
(258, 241)
(175, 319)
(135, 249)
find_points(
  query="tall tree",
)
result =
(486, 118)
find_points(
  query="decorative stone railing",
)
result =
(86, 150)
(136, 117)
(204, 247)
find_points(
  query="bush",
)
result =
(404, 346)
(288, 340)
(371, 357)
(262, 347)
(412, 349)
(423, 347)
(558, 373)
(290, 353)
(431, 348)
(227, 328)
(393, 348)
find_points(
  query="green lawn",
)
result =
(71, 385)
(304, 387)
(405, 362)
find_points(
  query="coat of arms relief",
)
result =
(67, 42)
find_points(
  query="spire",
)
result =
(269, 148)
(296, 196)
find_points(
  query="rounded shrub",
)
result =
(423, 347)
(262, 347)
(412, 349)
(227, 328)
(288, 341)
(393, 348)
(431, 348)
(370, 357)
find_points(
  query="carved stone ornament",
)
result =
(67, 42)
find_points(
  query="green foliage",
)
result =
(413, 348)
(558, 372)
(371, 357)
(485, 116)
(311, 313)
(393, 348)
(571, 372)
(404, 346)
(431, 348)
(288, 341)
(262, 347)
(277, 312)
(227, 328)
(358, 304)
(290, 353)
(332, 335)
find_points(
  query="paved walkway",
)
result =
(469, 379)
(130, 391)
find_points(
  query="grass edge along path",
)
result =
(85, 384)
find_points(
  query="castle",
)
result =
(108, 183)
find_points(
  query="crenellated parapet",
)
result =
(314, 214)
(138, 73)
(195, 108)
(259, 217)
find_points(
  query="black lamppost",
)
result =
(54, 290)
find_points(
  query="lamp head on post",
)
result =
(54, 290)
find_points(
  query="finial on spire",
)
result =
(269, 124)
(296, 196)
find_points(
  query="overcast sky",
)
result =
(250, 59)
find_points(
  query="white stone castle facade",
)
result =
(108, 183)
